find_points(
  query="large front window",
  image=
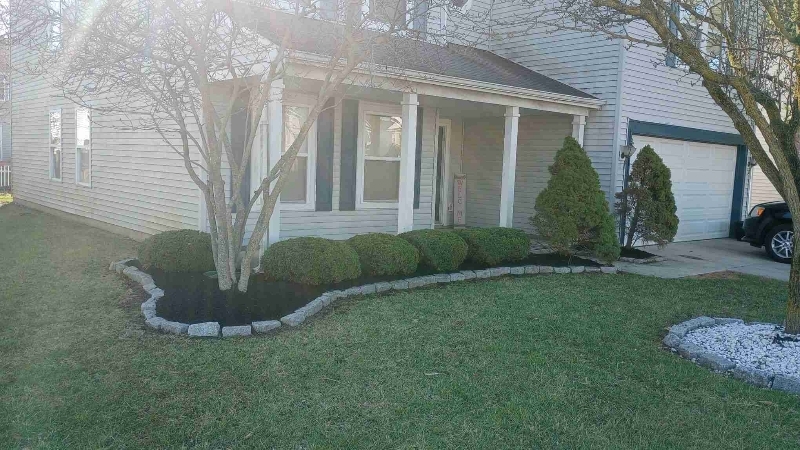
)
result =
(299, 187)
(381, 161)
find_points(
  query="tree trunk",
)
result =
(793, 303)
(632, 227)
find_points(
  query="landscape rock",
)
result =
(499, 271)
(313, 307)
(334, 295)
(368, 289)
(457, 276)
(415, 282)
(689, 350)
(148, 313)
(578, 269)
(715, 362)
(561, 269)
(531, 269)
(672, 340)
(383, 286)
(238, 330)
(698, 322)
(519, 270)
(400, 285)
(482, 273)
(468, 274)
(156, 293)
(545, 269)
(154, 322)
(592, 269)
(294, 319)
(205, 329)
(356, 290)
(442, 278)
(726, 320)
(265, 326)
(786, 384)
(755, 377)
(326, 300)
(174, 327)
(149, 304)
(608, 269)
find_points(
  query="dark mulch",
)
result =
(196, 298)
(635, 253)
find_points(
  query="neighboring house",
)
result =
(646, 103)
(451, 110)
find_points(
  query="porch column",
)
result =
(578, 127)
(408, 153)
(274, 152)
(509, 166)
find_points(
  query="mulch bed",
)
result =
(635, 253)
(195, 298)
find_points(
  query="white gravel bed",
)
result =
(751, 345)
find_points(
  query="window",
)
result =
(55, 144)
(299, 190)
(5, 92)
(673, 28)
(83, 146)
(379, 159)
(389, 11)
(55, 24)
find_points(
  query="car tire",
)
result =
(779, 243)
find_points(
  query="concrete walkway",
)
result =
(686, 259)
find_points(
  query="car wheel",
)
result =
(780, 243)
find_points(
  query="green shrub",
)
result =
(384, 254)
(572, 212)
(177, 251)
(647, 205)
(439, 250)
(310, 260)
(493, 246)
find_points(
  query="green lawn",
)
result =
(550, 361)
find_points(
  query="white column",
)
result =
(274, 152)
(578, 127)
(408, 153)
(509, 166)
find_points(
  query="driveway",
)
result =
(685, 259)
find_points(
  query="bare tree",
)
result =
(745, 54)
(184, 68)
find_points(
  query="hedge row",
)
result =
(317, 261)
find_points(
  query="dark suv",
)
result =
(770, 225)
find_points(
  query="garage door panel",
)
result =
(702, 182)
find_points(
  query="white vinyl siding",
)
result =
(761, 189)
(138, 182)
(540, 137)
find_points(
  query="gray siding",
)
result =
(590, 63)
(137, 181)
(539, 139)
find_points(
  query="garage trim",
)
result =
(658, 130)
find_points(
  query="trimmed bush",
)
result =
(311, 260)
(439, 250)
(647, 204)
(493, 246)
(384, 254)
(177, 251)
(572, 213)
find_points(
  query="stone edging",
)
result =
(213, 329)
(652, 259)
(674, 340)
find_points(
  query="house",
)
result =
(495, 115)
(649, 100)
(382, 160)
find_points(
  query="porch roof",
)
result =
(323, 38)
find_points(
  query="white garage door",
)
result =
(702, 182)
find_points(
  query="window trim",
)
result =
(77, 152)
(51, 147)
(55, 28)
(311, 158)
(365, 108)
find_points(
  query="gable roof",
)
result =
(322, 37)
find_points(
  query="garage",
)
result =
(702, 182)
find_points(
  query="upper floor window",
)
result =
(83, 146)
(54, 30)
(5, 91)
(392, 12)
(54, 138)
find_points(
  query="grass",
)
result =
(570, 361)
(5, 198)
